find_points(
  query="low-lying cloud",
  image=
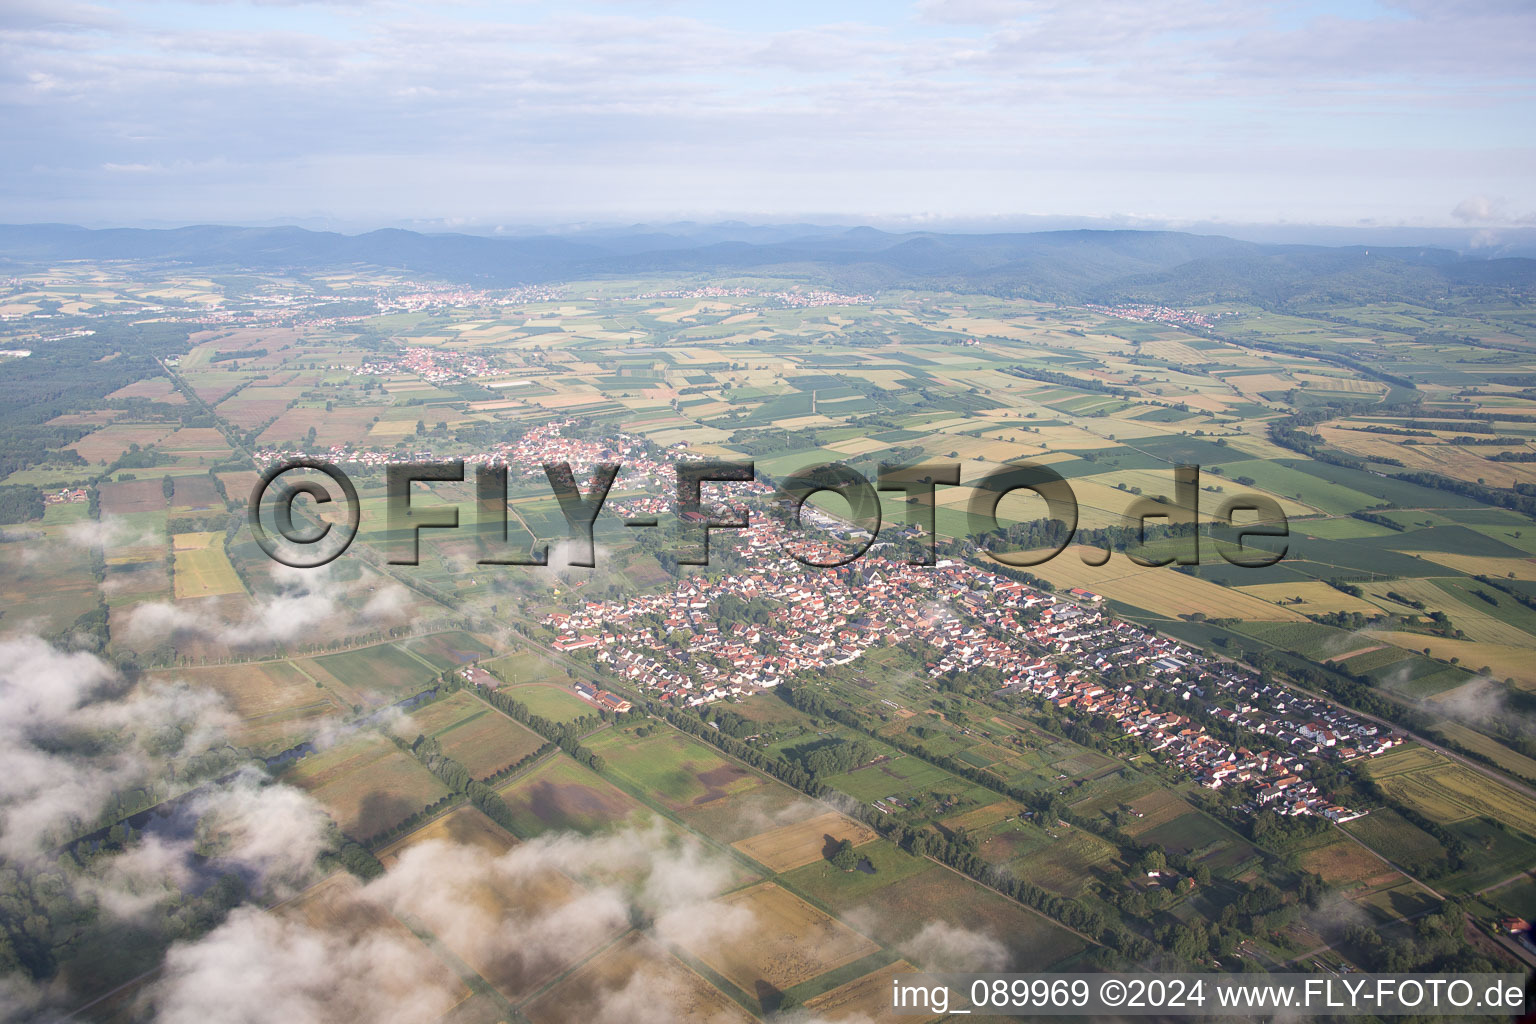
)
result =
(305, 600)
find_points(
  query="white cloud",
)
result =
(274, 967)
(1481, 209)
(306, 601)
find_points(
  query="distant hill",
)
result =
(1070, 266)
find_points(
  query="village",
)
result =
(677, 646)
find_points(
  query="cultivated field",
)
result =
(561, 794)
(782, 941)
(790, 846)
(201, 567)
(606, 989)
(366, 784)
(1446, 791)
(865, 998)
(1162, 590)
(474, 734)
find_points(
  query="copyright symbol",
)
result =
(305, 548)
(1112, 992)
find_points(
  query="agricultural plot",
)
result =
(1201, 837)
(1507, 759)
(277, 704)
(495, 904)
(559, 794)
(366, 784)
(1062, 859)
(1502, 662)
(591, 993)
(548, 700)
(474, 734)
(447, 650)
(1348, 865)
(201, 567)
(1446, 791)
(1516, 898)
(130, 496)
(865, 998)
(1029, 942)
(881, 864)
(782, 942)
(914, 782)
(681, 772)
(1161, 591)
(1394, 837)
(1399, 902)
(462, 826)
(414, 976)
(790, 846)
(1310, 597)
(384, 671)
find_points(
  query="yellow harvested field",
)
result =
(1174, 351)
(1155, 808)
(1447, 792)
(490, 905)
(858, 446)
(1162, 590)
(1349, 865)
(684, 313)
(1403, 759)
(1509, 760)
(783, 940)
(1345, 385)
(790, 846)
(1479, 625)
(202, 569)
(799, 422)
(1484, 565)
(1515, 663)
(1317, 597)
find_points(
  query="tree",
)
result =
(167, 486)
(845, 859)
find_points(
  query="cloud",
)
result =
(1478, 702)
(107, 532)
(1234, 108)
(488, 908)
(48, 696)
(306, 603)
(940, 946)
(74, 737)
(258, 967)
(1482, 209)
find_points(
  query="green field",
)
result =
(384, 668)
(561, 794)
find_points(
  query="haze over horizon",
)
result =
(979, 113)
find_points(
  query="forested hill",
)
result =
(1070, 266)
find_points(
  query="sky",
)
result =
(469, 114)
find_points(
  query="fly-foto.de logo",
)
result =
(275, 515)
